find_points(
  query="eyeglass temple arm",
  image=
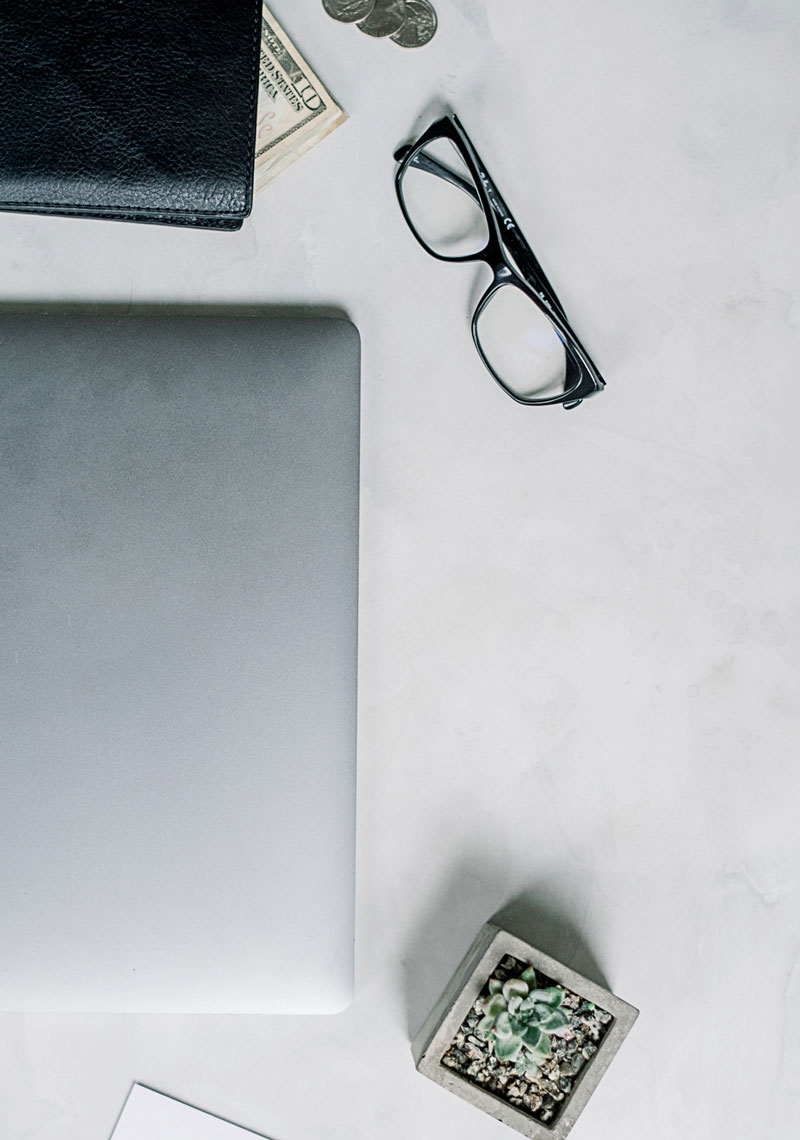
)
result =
(523, 254)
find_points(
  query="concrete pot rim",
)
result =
(489, 948)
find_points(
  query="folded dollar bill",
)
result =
(295, 111)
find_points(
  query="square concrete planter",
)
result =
(457, 1046)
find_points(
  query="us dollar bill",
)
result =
(295, 111)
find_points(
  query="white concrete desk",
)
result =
(579, 631)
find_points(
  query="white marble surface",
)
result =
(579, 631)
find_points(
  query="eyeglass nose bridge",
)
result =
(501, 273)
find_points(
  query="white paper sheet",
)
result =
(149, 1115)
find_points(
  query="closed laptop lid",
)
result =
(178, 600)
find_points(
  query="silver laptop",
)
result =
(178, 599)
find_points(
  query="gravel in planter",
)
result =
(543, 1092)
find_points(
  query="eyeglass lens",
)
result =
(521, 345)
(442, 203)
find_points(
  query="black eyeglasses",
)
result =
(519, 327)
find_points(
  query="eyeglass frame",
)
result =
(535, 286)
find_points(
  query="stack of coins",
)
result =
(409, 23)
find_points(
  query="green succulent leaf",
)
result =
(502, 1025)
(553, 996)
(556, 1021)
(496, 1004)
(532, 1036)
(515, 987)
(529, 976)
(534, 1016)
(565, 1033)
(507, 1048)
(543, 1012)
(543, 1048)
(532, 1063)
(514, 1002)
(485, 1026)
(495, 986)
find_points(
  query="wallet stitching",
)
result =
(118, 216)
(254, 90)
(166, 212)
(114, 211)
(257, 46)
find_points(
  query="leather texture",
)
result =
(139, 111)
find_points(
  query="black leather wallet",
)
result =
(140, 112)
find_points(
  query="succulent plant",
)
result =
(519, 1019)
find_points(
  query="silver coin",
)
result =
(348, 11)
(385, 19)
(420, 25)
